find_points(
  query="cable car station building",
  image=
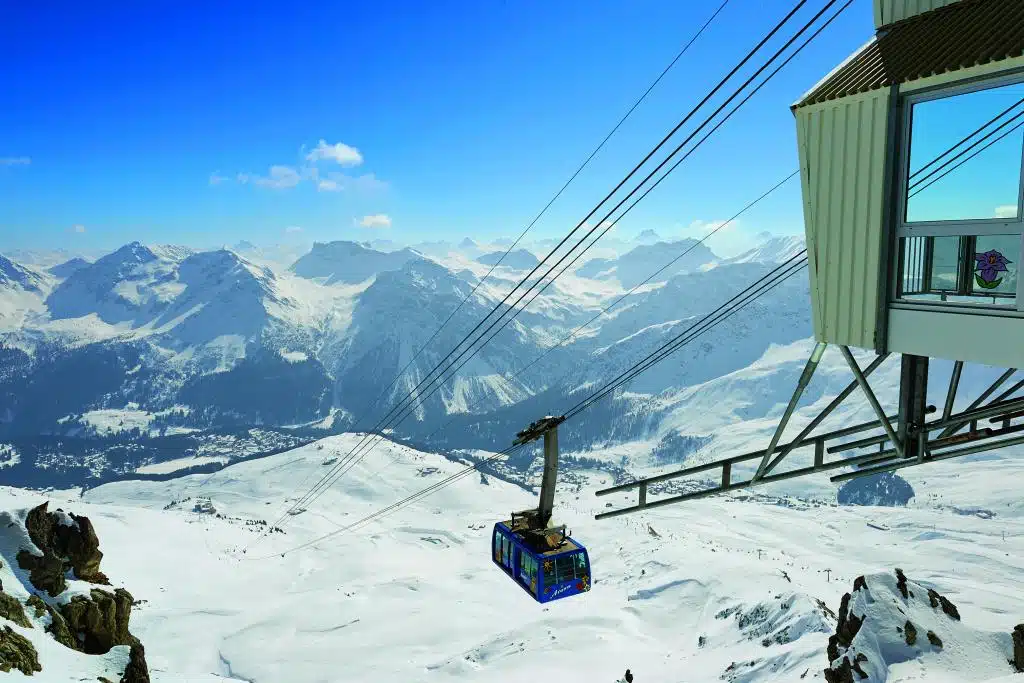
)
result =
(911, 157)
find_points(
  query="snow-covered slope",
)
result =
(14, 275)
(771, 250)
(733, 589)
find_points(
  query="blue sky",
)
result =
(448, 118)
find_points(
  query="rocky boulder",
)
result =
(66, 541)
(16, 652)
(100, 621)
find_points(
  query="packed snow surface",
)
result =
(718, 589)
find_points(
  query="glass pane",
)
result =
(965, 156)
(945, 258)
(995, 265)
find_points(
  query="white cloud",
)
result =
(283, 177)
(78, 228)
(280, 177)
(342, 154)
(1006, 211)
(376, 221)
(15, 161)
(293, 229)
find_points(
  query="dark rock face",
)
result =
(136, 671)
(16, 652)
(909, 633)
(934, 639)
(949, 608)
(901, 584)
(35, 602)
(45, 572)
(58, 628)
(101, 621)
(11, 609)
(846, 630)
(1018, 647)
(76, 546)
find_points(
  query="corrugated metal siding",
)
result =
(890, 11)
(842, 157)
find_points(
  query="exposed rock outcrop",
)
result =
(66, 541)
(1018, 647)
(66, 545)
(888, 619)
(136, 671)
(46, 572)
(11, 609)
(100, 621)
(16, 652)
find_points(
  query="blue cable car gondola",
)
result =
(543, 560)
(546, 574)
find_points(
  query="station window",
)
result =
(961, 269)
(963, 198)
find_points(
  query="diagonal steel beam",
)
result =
(843, 395)
(870, 395)
(1008, 392)
(805, 379)
(954, 382)
(953, 428)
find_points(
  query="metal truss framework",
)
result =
(906, 439)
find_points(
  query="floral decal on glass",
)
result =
(989, 265)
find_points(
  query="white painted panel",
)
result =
(986, 339)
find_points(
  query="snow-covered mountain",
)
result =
(68, 268)
(636, 265)
(150, 343)
(519, 259)
(774, 249)
(349, 262)
(13, 275)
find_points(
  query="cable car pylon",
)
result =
(542, 558)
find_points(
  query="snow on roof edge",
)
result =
(834, 71)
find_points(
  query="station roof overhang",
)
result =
(959, 36)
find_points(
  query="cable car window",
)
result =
(549, 572)
(581, 564)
